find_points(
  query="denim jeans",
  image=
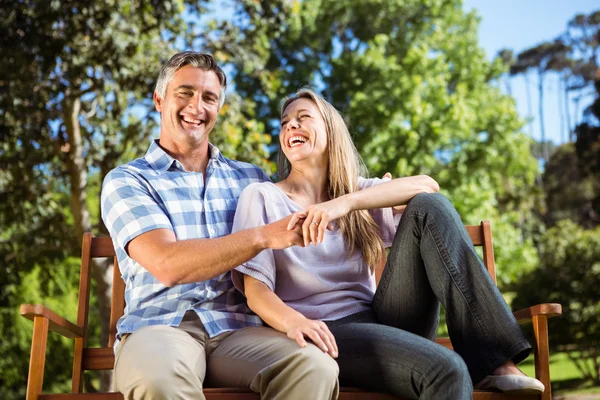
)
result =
(392, 348)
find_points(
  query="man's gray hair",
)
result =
(199, 60)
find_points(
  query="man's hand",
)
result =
(300, 327)
(318, 217)
(277, 235)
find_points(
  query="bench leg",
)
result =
(541, 353)
(37, 359)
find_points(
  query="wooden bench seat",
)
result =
(45, 320)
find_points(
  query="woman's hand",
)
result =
(318, 217)
(300, 327)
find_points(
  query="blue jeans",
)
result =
(392, 348)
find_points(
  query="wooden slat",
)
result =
(481, 395)
(445, 342)
(85, 277)
(488, 249)
(475, 233)
(82, 396)
(242, 394)
(360, 395)
(77, 373)
(542, 353)
(102, 247)
(210, 394)
(118, 302)
(102, 358)
(548, 309)
(57, 323)
(37, 358)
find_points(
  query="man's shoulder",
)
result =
(244, 169)
(128, 170)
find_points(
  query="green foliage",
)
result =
(569, 274)
(55, 286)
(570, 192)
(415, 88)
(240, 137)
(75, 100)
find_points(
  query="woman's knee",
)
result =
(452, 368)
(319, 364)
(430, 201)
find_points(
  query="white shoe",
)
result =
(511, 384)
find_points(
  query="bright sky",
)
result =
(520, 24)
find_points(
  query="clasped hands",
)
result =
(318, 218)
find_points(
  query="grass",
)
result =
(566, 378)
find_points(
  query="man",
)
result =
(169, 214)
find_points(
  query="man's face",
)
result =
(190, 107)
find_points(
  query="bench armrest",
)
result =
(548, 309)
(57, 324)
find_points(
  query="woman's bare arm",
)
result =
(271, 309)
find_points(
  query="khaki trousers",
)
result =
(164, 362)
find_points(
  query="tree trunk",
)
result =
(576, 116)
(77, 169)
(567, 108)
(508, 85)
(529, 105)
(541, 112)
(561, 110)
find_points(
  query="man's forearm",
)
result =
(174, 262)
(183, 261)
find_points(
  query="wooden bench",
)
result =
(86, 358)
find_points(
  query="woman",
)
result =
(383, 338)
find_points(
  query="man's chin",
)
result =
(195, 135)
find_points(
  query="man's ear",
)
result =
(157, 101)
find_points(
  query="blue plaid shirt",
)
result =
(156, 192)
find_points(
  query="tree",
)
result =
(583, 37)
(507, 58)
(522, 67)
(569, 191)
(415, 88)
(70, 74)
(542, 58)
(569, 274)
(75, 101)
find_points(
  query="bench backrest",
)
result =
(102, 247)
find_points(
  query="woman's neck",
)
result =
(306, 186)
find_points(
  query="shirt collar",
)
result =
(161, 161)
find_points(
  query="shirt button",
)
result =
(212, 231)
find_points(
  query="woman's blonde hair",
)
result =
(344, 168)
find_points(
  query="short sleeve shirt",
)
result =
(155, 192)
(321, 282)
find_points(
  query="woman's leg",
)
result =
(386, 359)
(433, 260)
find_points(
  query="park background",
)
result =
(498, 101)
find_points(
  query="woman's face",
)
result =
(303, 136)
